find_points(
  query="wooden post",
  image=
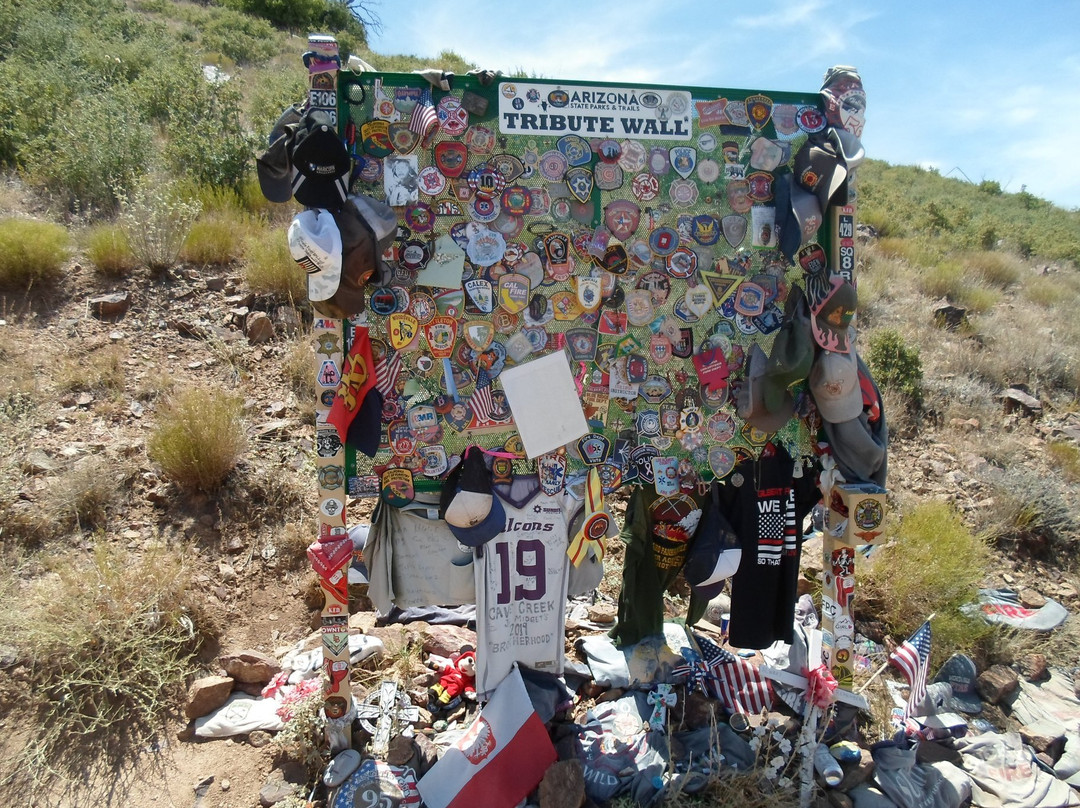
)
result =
(332, 551)
(854, 516)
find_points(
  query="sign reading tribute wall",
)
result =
(638, 230)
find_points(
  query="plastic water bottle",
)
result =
(827, 766)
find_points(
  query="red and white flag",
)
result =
(734, 681)
(500, 758)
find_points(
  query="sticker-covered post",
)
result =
(331, 552)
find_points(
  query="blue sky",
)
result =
(990, 90)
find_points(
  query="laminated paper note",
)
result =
(545, 403)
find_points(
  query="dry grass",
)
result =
(996, 269)
(216, 239)
(270, 269)
(107, 248)
(100, 371)
(84, 497)
(102, 685)
(199, 438)
(1065, 457)
(32, 252)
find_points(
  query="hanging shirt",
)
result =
(521, 580)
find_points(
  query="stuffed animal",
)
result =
(457, 680)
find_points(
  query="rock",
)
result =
(1034, 668)
(448, 640)
(602, 613)
(250, 666)
(1031, 599)
(396, 638)
(563, 785)
(247, 299)
(277, 790)
(259, 328)
(37, 462)
(110, 307)
(950, 318)
(215, 284)
(997, 682)
(259, 738)
(426, 753)
(206, 695)
(286, 319)
(857, 772)
(400, 751)
(1016, 400)
(1046, 736)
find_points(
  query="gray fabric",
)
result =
(1004, 774)
(910, 785)
(867, 796)
(1003, 606)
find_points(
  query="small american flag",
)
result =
(424, 118)
(481, 402)
(912, 658)
(737, 684)
(387, 370)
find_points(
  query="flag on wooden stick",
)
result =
(912, 658)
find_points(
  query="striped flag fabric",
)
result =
(912, 659)
(734, 681)
(500, 758)
(387, 370)
(424, 118)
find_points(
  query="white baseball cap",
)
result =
(315, 244)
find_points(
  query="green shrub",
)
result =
(1066, 457)
(895, 365)
(270, 269)
(199, 438)
(932, 563)
(100, 147)
(107, 248)
(207, 141)
(156, 221)
(943, 279)
(32, 252)
(996, 269)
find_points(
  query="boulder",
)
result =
(250, 667)
(259, 328)
(1047, 736)
(996, 683)
(110, 307)
(206, 695)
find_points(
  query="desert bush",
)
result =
(270, 269)
(932, 563)
(1043, 290)
(85, 495)
(32, 252)
(101, 371)
(207, 141)
(102, 684)
(107, 248)
(199, 438)
(994, 268)
(895, 365)
(298, 367)
(214, 239)
(156, 221)
(1032, 516)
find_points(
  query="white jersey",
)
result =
(521, 592)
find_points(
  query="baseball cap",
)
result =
(831, 315)
(367, 228)
(715, 553)
(960, 672)
(819, 168)
(273, 166)
(321, 160)
(749, 400)
(315, 244)
(470, 508)
(834, 384)
(798, 213)
(792, 354)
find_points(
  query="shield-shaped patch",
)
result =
(580, 182)
(734, 227)
(622, 218)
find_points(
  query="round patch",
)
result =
(552, 165)
(663, 241)
(383, 301)
(431, 181)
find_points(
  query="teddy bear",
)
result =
(457, 680)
